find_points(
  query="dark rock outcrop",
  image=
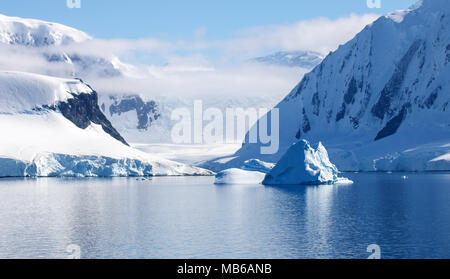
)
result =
(349, 97)
(146, 112)
(306, 124)
(393, 87)
(392, 125)
(83, 109)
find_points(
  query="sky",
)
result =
(182, 19)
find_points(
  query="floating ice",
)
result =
(258, 165)
(304, 165)
(238, 176)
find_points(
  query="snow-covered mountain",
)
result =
(54, 127)
(132, 115)
(379, 102)
(47, 37)
(75, 65)
(37, 33)
(302, 59)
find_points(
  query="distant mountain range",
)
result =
(301, 59)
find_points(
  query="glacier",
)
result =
(304, 165)
(64, 165)
(45, 132)
(428, 157)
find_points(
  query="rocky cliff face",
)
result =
(83, 110)
(146, 112)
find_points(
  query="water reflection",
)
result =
(192, 218)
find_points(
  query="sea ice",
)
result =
(238, 176)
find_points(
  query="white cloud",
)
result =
(19, 58)
(195, 74)
(202, 81)
(111, 47)
(320, 34)
(194, 63)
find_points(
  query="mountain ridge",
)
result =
(302, 59)
(379, 94)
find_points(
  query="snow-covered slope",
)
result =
(302, 59)
(384, 92)
(54, 127)
(37, 33)
(24, 92)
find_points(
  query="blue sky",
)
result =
(178, 19)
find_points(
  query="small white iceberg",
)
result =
(305, 165)
(238, 176)
(258, 165)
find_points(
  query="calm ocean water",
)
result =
(189, 217)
